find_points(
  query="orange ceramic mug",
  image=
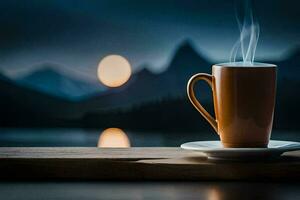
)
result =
(244, 101)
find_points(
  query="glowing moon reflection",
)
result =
(113, 137)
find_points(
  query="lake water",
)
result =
(90, 137)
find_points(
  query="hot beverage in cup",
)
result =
(244, 101)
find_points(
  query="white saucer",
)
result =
(215, 150)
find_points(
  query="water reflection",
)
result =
(214, 194)
(113, 137)
(232, 191)
(78, 137)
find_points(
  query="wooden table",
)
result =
(73, 163)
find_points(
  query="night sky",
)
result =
(77, 34)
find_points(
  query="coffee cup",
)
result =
(244, 102)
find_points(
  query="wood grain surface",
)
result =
(77, 163)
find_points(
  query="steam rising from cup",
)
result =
(245, 46)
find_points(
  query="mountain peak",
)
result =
(44, 70)
(145, 71)
(186, 46)
(49, 78)
(186, 58)
(143, 74)
(47, 69)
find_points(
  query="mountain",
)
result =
(45, 92)
(145, 86)
(48, 79)
(160, 97)
(21, 106)
(185, 63)
(146, 98)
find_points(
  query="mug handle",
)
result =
(195, 102)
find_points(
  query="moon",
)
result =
(114, 71)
